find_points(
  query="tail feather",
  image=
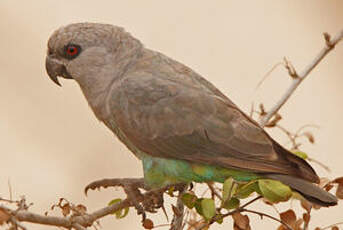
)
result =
(310, 191)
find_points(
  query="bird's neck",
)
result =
(98, 92)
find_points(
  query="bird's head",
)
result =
(88, 52)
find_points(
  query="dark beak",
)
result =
(54, 68)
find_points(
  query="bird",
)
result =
(176, 122)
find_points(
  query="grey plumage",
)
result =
(161, 108)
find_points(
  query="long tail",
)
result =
(310, 191)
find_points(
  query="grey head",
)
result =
(82, 51)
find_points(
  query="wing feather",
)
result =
(166, 119)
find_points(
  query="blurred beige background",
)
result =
(51, 144)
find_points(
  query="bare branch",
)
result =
(77, 222)
(177, 221)
(329, 45)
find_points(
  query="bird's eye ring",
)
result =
(72, 50)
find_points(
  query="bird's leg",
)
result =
(116, 182)
(151, 200)
(131, 187)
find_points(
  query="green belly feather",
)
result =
(159, 172)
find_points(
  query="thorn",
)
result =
(290, 68)
(165, 212)
(327, 38)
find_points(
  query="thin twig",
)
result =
(290, 136)
(261, 214)
(329, 45)
(320, 164)
(239, 209)
(9, 188)
(332, 225)
(214, 191)
(267, 75)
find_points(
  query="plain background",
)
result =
(51, 144)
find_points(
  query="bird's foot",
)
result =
(150, 201)
(116, 182)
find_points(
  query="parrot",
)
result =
(176, 122)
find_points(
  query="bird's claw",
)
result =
(115, 182)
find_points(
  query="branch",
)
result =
(76, 222)
(261, 214)
(177, 222)
(298, 78)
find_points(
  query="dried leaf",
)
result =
(65, 209)
(306, 217)
(148, 224)
(310, 137)
(297, 224)
(328, 187)
(196, 225)
(338, 180)
(4, 216)
(323, 182)
(241, 222)
(288, 217)
(306, 205)
(274, 191)
(339, 191)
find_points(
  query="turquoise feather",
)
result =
(159, 172)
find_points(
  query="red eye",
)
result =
(72, 50)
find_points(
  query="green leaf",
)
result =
(198, 206)
(112, 202)
(171, 191)
(121, 213)
(300, 154)
(219, 218)
(274, 191)
(245, 190)
(231, 204)
(228, 187)
(208, 208)
(189, 200)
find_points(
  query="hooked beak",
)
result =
(55, 69)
